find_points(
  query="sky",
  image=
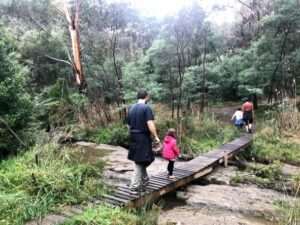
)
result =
(161, 8)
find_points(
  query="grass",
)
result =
(34, 183)
(103, 215)
(264, 176)
(269, 147)
(107, 215)
(277, 136)
(198, 134)
(289, 211)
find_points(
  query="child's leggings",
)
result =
(171, 167)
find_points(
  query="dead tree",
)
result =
(72, 23)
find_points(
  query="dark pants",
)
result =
(171, 167)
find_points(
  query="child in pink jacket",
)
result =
(170, 150)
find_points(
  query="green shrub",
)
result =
(29, 190)
(117, 134)
(198, 134)
(268, 147)
(15, 102)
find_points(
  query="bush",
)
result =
(29, 190)
(117, 135)
(268, 147)
(198, 134)
(16, 106)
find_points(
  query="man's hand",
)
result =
(152, 129)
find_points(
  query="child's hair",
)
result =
(171, 132)
(239, 108)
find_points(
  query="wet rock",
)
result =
(249, 201)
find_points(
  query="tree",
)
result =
(15, 103)
(72, 20)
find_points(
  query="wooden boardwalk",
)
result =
(160, 184)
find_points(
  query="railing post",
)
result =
(225, 159)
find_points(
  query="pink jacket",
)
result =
(170, 149)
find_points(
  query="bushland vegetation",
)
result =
(53, 90)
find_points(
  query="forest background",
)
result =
(69, 71)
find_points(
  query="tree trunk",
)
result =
(118, 74)
(254, 101)
(203, 79)
(281, 57)
(73, 30)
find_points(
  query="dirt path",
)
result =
(225, 113)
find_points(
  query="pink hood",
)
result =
(170, 149)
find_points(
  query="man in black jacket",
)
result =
(140, 121)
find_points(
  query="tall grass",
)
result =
(198, 134)
(108, 215)
(104, 215)
(278, 137)
(42, 178)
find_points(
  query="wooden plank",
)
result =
(154, 186)
(115, 198)
(127, 192)
(159, 180)
(194, 168)
(122, 196)
(112, 202)
(183, 170)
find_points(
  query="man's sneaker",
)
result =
(146, 182)
(143, 190)
(134, 191)
(250, 131)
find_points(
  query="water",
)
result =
(88, 153)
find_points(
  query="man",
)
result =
(140, 121)
(248, 114)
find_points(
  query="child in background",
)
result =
(170, 150)
(239, 122)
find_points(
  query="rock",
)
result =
(249, 201)
(289, 170)
(186, 215)
(220, 175)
